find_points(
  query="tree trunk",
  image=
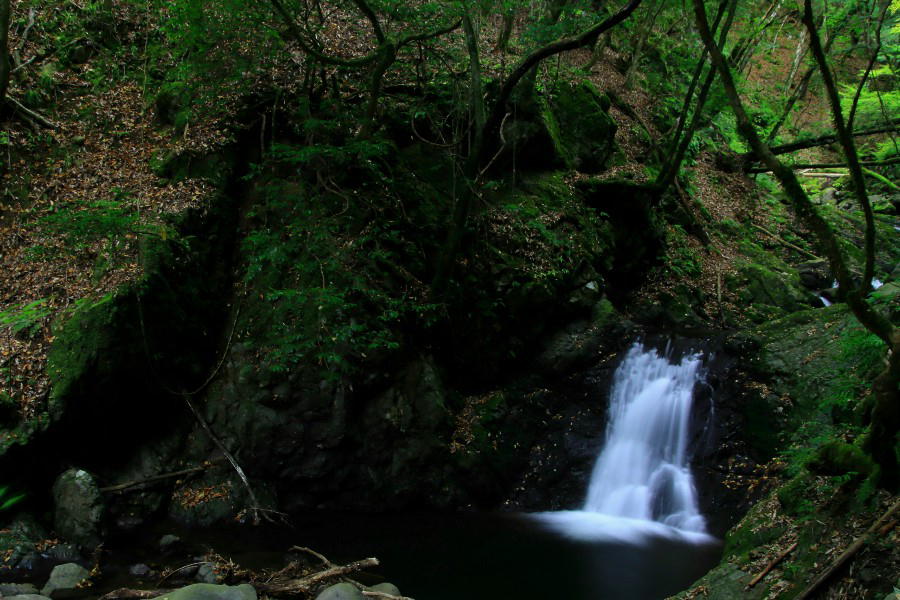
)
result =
(5, 65)
(646, 28)
(680, 143)
(388, 54)
(882, 435)
(586, 38)
(847, 143)
(509, 19)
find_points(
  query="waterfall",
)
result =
(641, 484)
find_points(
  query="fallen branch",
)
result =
(850, 552)
(306, 550)
(786, 243)
(306, 584)
(30, 114)
(824, 140)
(772, 564)
(873, 163)
(162, 477)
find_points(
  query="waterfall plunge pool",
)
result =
(638, 536)
(452, 556)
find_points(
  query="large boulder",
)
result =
(79, 508)
(583, 133)
(209, 591)
(341, 591)
(766, 292)
(569, 128)
(65, 580)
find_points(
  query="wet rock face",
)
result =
(79, 508)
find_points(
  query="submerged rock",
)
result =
(64, 579)
(79, 508)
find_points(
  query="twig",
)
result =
(255, 506)
(772, 564)
(24, 39)
(324, 560)
(124, 486)
(786, 243)
(41, 57)
(851, 551)
(499, 152)
(182, 568)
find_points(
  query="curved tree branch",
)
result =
(585, 38)
(365, 9)
(300, 38)
(828, 242)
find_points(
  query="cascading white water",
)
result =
(643, 472)
(641, 484)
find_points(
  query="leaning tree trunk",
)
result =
(886, 404)
(5, 65)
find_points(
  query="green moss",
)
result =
(840, 458)
(577, 120)
(80, 343)
(754, 530)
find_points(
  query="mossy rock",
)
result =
(769, 293)
(839, 458)
(583, 134)
(81, 345)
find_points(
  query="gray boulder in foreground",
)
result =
(64, 578)
(209, 591)
(341, 591)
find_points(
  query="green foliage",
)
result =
(26, 318)
(681, 259)
(82, 225)
(327, 282)
(9, 499)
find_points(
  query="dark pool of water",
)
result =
(469, 556)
